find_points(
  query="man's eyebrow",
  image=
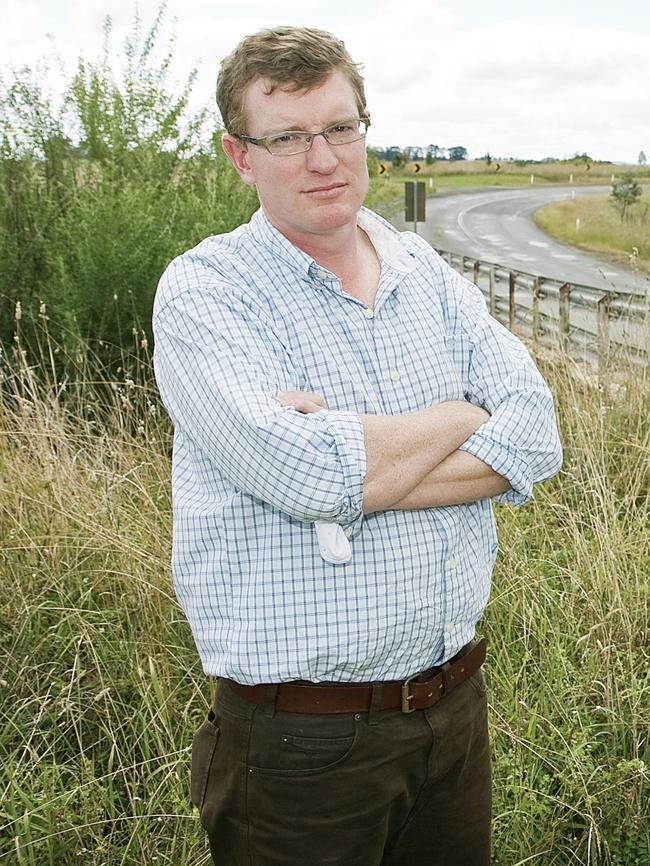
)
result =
(277, 128)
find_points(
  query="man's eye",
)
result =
(341, 127)
(287, 137)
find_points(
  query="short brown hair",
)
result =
(294, 58)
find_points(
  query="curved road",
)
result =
(496, 225)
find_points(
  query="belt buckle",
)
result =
(406, 697)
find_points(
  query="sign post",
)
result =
(414, 200)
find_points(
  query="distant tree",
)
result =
(412, 154)
(396, 156)
(457, 153)
(625, 194)
(433, 153)
(642, 158)
(487, 158)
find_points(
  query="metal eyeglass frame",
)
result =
(310, 136)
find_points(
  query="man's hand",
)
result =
(302, 401)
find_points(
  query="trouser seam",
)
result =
(245, 780)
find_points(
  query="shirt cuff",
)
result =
(347, 433)
(505, 461)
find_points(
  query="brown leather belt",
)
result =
(415, 693)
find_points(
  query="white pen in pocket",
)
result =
(333, 543)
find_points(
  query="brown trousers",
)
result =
(380, 788)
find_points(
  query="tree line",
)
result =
(431, 153)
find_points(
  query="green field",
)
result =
(468, 173)
(600, 228)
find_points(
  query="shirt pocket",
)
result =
(327, 364)
(342, 389)
(438, 369)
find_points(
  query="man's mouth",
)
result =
(328, 189)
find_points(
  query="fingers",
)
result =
(302, 401)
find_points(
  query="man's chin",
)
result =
(334, 216)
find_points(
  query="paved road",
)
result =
(497, 226)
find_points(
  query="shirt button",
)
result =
(368, 313)
(395, 376)
(320, 273)
(452, 563)
(450, 627)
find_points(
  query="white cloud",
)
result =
(517, 89)
(443, 74)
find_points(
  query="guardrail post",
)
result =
(536, 310)
(607, 305)
(565, 293)
(603, 337)
(492, 306)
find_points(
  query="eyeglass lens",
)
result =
(344, 132)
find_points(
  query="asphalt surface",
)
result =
(496, 226)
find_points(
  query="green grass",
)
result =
(601, 229)
(101, 685)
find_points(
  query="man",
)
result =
(344, 411)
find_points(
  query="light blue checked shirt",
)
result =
(245, 315)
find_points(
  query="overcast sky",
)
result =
(520, 80)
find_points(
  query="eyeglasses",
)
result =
(294, 141)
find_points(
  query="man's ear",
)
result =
(237, 153)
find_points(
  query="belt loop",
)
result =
(375, 704)
(270, 695)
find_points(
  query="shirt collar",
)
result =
(263, 232)
(387, 241)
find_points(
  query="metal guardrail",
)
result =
(583, 321)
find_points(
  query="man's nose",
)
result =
(321, 156)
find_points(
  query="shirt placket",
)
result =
(389, 368)
(358, 320)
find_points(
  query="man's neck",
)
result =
(328, 249)
(349, 254)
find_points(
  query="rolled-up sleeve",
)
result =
(520, 441)
(219, 365)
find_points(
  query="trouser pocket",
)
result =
(204, 744)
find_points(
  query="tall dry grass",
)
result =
(101, 686)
